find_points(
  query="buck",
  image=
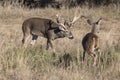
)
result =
(91, 40)
(47, 28)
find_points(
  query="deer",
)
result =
(48, 29)
(91, 41)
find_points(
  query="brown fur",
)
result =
(89, 41)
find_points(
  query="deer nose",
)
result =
(71, 37)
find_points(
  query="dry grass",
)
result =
(35, 63)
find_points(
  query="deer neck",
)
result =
(93, 30)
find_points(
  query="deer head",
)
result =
(95, 25)
(66, 26)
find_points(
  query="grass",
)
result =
(35, 63)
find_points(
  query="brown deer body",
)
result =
(46, 28)
(91, 42)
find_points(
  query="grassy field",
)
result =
(35, 63)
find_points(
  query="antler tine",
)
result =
(57, 15)
(58, 18)
(82, 16)
(75, 19)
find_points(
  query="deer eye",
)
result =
(67, 32)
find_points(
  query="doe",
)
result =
(90, 42)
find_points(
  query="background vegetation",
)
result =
(35, 63)
(60, 3)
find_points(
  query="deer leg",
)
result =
(99, 55)
(25, 39)
(34, 38)
(95, 58)
(94, 55)
(84, 55)
(96, 47)
(26, 36)
(49, 44)
(99, 51)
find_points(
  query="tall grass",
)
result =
(35, 63)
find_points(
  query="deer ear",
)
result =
(50, 22)
(61, 28)
(89, 22)
(99, 21)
